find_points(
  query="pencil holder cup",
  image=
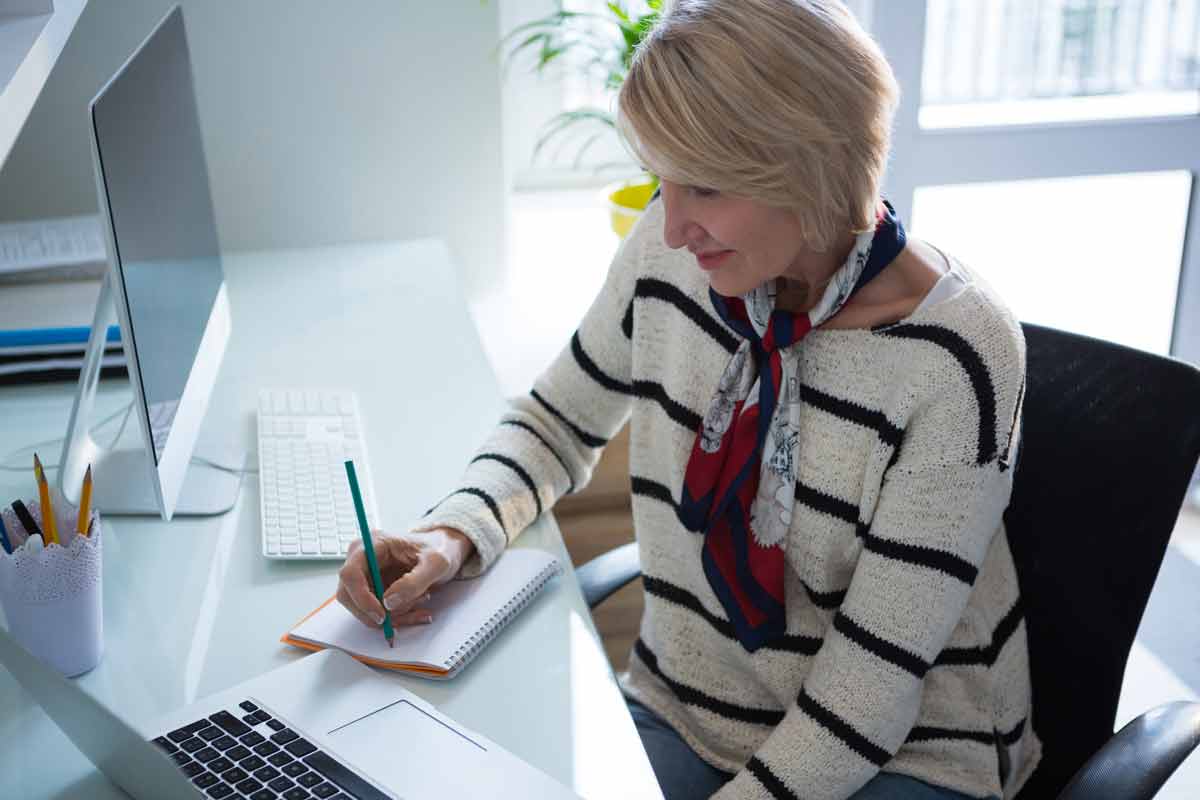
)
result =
(52, 596)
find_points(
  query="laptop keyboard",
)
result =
(248, 753)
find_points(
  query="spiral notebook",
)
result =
(467, 614)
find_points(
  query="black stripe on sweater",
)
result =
(791, 643)
(826, 503)
(593, 371)
(482, 495)
(529, 428)
(926, 733)
(1012, 737)
(694, 697)
(985, 656)
(654, 490)
(644, 487)
(877, 421)
(825, 600)
(977, 373)
(769, 780)
(650, 390)
(888, 651)
(843, 730)
(920, 556)
(517, 468)
(654, 289)
(591, 440)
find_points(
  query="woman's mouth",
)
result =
(713, 259)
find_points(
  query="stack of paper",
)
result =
(44, 329)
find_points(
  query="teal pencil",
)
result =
(369, 547)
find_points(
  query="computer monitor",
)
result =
(164, 279)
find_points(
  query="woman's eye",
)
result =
(702, 192)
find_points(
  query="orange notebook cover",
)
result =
(467, 614)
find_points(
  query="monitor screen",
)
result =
(153, 171)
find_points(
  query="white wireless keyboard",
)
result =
(304, 439)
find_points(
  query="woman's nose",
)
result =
(679, 228)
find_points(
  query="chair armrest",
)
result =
(1138, 759)
(608, 572)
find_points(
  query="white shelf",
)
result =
(32, 35)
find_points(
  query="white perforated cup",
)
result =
(52, 597)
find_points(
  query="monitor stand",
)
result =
(125, 479)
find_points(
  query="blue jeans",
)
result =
(683, 775)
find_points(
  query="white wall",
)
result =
(323, 122)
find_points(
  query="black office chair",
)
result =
(1111, 437)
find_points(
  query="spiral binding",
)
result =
(479, 639)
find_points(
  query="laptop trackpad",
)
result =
(409, 752)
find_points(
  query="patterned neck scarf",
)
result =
(740, 482)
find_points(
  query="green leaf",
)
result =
(566, 120)
(618, 12)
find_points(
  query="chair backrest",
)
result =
(1110, 440)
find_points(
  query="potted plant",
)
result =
(606, 42)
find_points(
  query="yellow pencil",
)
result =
(85, 503)
(48, 527)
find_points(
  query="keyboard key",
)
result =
(187, 731)
(237, 753)
(267, 773)
(263, 794)
(266, 749)
(192, 745)
(257, 718)
(224, 742)
(235, 775)
(219, 790)
(275, 725)
(295, 794)
(165, 744)
(219, 765)
(193, 769)
(206, 755)
(284, 736)
(205, 780)
(252, 763)
(324, 790)
(210, 733)
(249, 786)
(246, 705)
(281, 784)
(309, 780)
(181, 758)
(294, 769)
(253, 738)
(230, 724)
(281, 759)
(300, 748)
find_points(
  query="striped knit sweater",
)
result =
(905, 647)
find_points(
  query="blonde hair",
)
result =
(788, 102)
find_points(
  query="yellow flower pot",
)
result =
(626, 203)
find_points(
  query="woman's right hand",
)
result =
(412, 565)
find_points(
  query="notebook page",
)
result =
(460, 608)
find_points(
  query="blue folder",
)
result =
(31, 337)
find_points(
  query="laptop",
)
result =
(322, 727)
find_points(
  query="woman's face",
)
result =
(738, 242)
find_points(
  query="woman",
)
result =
(824, 422)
